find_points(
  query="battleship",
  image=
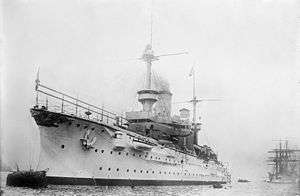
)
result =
(285, 164)
(84, 144)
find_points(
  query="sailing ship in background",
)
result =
(285, 164)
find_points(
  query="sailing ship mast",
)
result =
(283, 161)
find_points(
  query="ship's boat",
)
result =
(30, 179)
(142, 145)
(243, 180)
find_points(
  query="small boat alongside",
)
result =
(30, 179)
(243, 180)
(217, 185)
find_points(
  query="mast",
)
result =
(194, 98)
(194, 102)
(148, 96)
(37, 83)
(282, 161)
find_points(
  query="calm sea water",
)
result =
(235, 189)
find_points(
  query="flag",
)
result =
(192, 72)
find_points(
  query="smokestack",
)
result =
(164, 104)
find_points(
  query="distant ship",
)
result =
(243, 180)
(285, 164)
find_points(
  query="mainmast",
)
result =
(194, 101)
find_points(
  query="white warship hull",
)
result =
(110, 161)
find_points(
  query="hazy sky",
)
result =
(244, 51)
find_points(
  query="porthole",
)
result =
(93, 128)
(141, 171)
(111, 152)
(151, 157)
(147, 172)
(140, 155)
(96, 150)
(127, 170)
(102, 151)
(169, 172)
(152, 172)
(133, 154)
(126, 153)
(117, 169)
(134, 170)
(165, 172)
(100, 168)
(77, 125)
(108, 169)
(145, 156)
(62, 146)
(119, 153)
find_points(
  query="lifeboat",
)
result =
(164, 142)
(142, 145)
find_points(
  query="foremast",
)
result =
(147, 97)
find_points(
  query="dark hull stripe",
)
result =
(123, 182)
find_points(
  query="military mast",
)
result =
(195, 101)
(148, 96)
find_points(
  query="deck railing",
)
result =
(56, 101)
